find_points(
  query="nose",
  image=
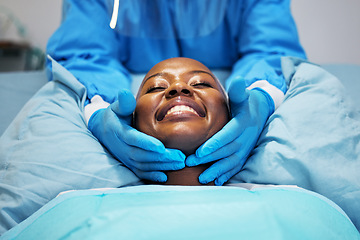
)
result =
(178, 88)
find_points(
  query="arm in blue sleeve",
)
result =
(267, 33)
(90, 49)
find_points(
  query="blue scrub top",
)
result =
(248, 36)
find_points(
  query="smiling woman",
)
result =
(181, 103)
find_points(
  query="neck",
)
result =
(189, 176)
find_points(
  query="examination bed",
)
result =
(302, 180)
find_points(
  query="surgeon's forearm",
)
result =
(263, 40)
(87, 46)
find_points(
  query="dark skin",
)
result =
(181, 103)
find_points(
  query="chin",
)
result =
(185, 138)
(187, 145)
(184, 141)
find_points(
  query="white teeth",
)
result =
(181, 108)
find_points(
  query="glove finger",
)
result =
(172, 155)
(134, 157)
(152, 176)
(125, 105)
(215, 170)
(220, 167)
(237, 91)
(226, 176)
(223, 152)
(133, 137)
(168, 156)
(227, 134)
(159, 166)
(236, 162)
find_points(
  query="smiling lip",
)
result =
(180, 105)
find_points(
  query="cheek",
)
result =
(217, 111)
(144, 112)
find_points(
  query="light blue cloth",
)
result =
(48, 149)
(349, 76)
(312, 140)
(159, 212)
(16, 88)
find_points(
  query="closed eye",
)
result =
(202, 85)
(155, 89)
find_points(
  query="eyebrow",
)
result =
(201, 71)
(155, 75)
(191, 72)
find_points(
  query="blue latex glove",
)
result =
(143, 154)
(231, 146)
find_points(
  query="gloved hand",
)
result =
(231, 146)
(143, 154)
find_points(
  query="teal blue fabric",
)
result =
(158, 212)
(312, 140)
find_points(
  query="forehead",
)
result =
(177, 66)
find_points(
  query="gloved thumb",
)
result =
(125, 105)
(237, 91)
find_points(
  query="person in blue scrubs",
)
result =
(247, 36)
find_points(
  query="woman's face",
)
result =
(181, 103)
